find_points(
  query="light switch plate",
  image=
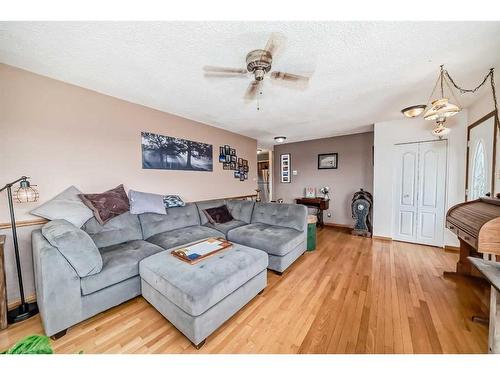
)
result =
(295, 173)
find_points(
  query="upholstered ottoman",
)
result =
(199, 298)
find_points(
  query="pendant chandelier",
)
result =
(442, 107)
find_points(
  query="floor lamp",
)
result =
(23, 194)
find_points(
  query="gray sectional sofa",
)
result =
(71, 288)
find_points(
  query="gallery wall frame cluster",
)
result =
(231, 161)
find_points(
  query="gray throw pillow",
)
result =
(173, 201)
(75, 245)
(141, 203)
(67, 206)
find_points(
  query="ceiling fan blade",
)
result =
(276, 40)
(253, 90)
(282, 76)
(223, 70)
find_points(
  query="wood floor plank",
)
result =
(350, 295)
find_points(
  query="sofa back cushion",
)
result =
(202, 206)
(75, 245)
(123, 228)
(284, 215)
(241, 209)
(176, 217)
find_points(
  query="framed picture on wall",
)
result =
(285, 166)
(328, 161)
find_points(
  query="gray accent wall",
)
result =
(355, 171)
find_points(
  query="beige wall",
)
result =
(355, 171)
(62, 135)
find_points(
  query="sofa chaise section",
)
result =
(278, 229)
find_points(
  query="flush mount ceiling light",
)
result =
(414, 110)
(259, 150)
(280, 139)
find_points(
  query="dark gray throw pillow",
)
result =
(218, 215)
(75, 245)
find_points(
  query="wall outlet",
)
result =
(328, 214)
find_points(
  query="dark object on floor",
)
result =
(32, 345)
(198, 346)
(361, 207)
(59, 334)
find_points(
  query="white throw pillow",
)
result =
(141, 203)
(67, 206)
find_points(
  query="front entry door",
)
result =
(420, 179)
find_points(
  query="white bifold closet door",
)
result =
(420, 192)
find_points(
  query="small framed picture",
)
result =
(328, 161)
(236, 174)
(233, 159)
(245, 168)
(228, 158)
(242, 177)
(232, 165)
(227, 149)
(245, 162)
(232, 151)
(222, 158)
(246, 176)
(226, 166)
(240, 161)
(285, 161)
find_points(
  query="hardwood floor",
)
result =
(351, 295)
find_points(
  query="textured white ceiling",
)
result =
(362, 72)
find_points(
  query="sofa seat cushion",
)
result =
(226, 227)
(196, 288)
(182, 236)
(120, 262)
(272, 239)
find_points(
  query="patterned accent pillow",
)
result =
(173, 201)
(218, 215)
(107, 205)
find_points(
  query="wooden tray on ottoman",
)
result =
(202, 249)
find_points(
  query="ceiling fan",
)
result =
(259, 63)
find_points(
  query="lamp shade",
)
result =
(25, 193)
(441, 109)
(440, 130)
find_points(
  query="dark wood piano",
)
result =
(477, 225)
